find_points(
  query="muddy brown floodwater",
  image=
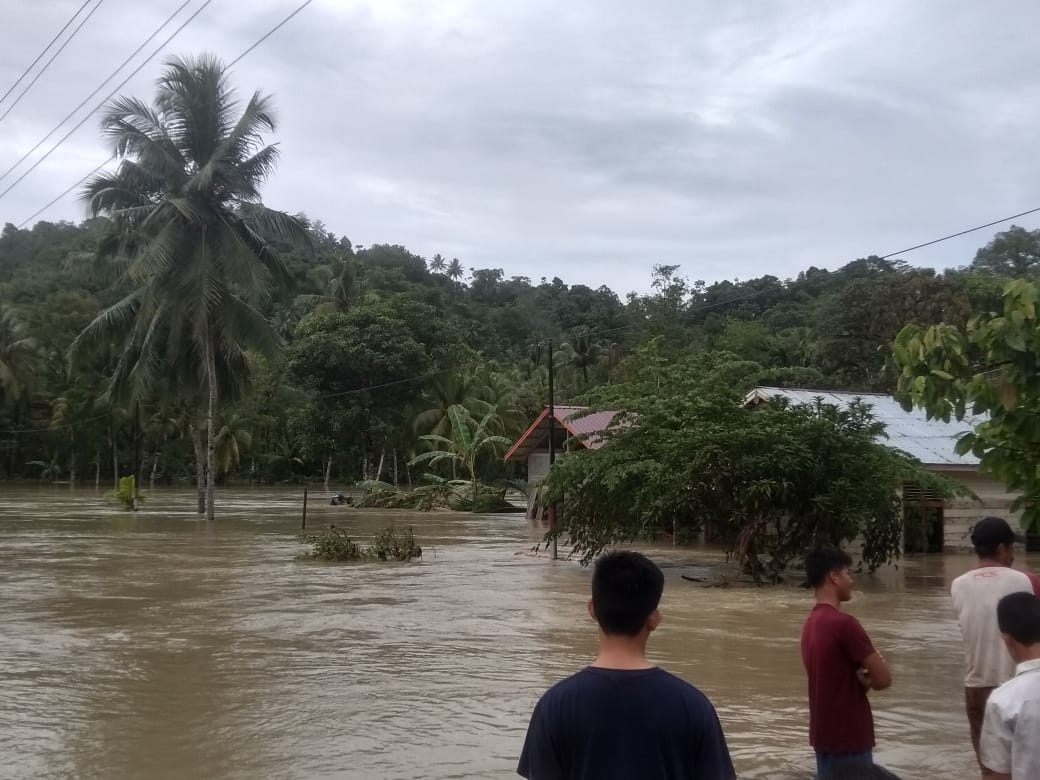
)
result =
(152, 645)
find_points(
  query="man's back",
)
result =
(1010, 743)
(975, 596)
(617, 724)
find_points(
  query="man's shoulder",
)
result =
(592, 677)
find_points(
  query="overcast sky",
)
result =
(587, 139)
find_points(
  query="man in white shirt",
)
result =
(1010, 745)
(975, 597)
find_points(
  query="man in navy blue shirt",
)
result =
(622, 718)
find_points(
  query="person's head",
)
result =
(994, 540)
(1018, 616)
(626, 589)
(827, 571)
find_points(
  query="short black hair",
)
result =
(1018, 616)
(626, 589)
(824, 561)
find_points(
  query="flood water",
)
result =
(153, 645)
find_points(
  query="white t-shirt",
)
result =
(975, 596)
(1009, 743)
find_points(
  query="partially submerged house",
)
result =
(574, 427)
(947, 521)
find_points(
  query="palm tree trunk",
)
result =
(72, 458)
(115, 457)
(200, 469)
(396, 480)
(379, 470)
(97, 469)
(328, 473)
(211, 410)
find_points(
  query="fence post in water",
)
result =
(303, 523)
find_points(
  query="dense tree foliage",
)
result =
(766, 482)
(990, 367)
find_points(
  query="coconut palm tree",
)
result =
(581, 353)
(466, 389)
(234, 437)
(187, 225)
(438, 264)
(19, 358)
(455, 270)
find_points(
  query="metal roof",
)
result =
(930, 441)
(570, 419)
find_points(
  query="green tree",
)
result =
(991, 368)
(187, 223)
(687, 457)
(233, 439)
(455, 270)
(470, 439)
(19, 358)
(438, 264)
(1013, 253)
(581, 352)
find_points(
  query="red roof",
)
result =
(571, 419)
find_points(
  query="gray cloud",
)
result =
(590, 140)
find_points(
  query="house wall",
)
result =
(959, 514)
(537, 467)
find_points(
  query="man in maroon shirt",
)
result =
(842, 665)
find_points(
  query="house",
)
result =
(947, 522)
(574, 428)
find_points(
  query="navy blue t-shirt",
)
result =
(622, 724)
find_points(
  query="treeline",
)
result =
(378, 343)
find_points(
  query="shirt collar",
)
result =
(1027, 666)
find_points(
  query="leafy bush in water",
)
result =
(124, 494)
(389, 545)
(332, 544)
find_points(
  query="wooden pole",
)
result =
(303, 522)
(552, 444)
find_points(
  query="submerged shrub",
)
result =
(332, 544)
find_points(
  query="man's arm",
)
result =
(877, 672)
(711, 754)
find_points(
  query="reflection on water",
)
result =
(152, 645)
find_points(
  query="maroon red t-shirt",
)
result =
(834, 646)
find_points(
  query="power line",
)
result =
(39, 56)
(271, 32)
(259, 41)
(100, 105)
(27, 220)
(961, 233)
(100, 86)
(47, 64)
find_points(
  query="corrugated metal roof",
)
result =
(930, 441)
(571, 419)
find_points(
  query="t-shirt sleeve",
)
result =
(995, 741)
(539, 759)
(856, 642)
(711, 758)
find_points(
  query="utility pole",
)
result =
(552, 443)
